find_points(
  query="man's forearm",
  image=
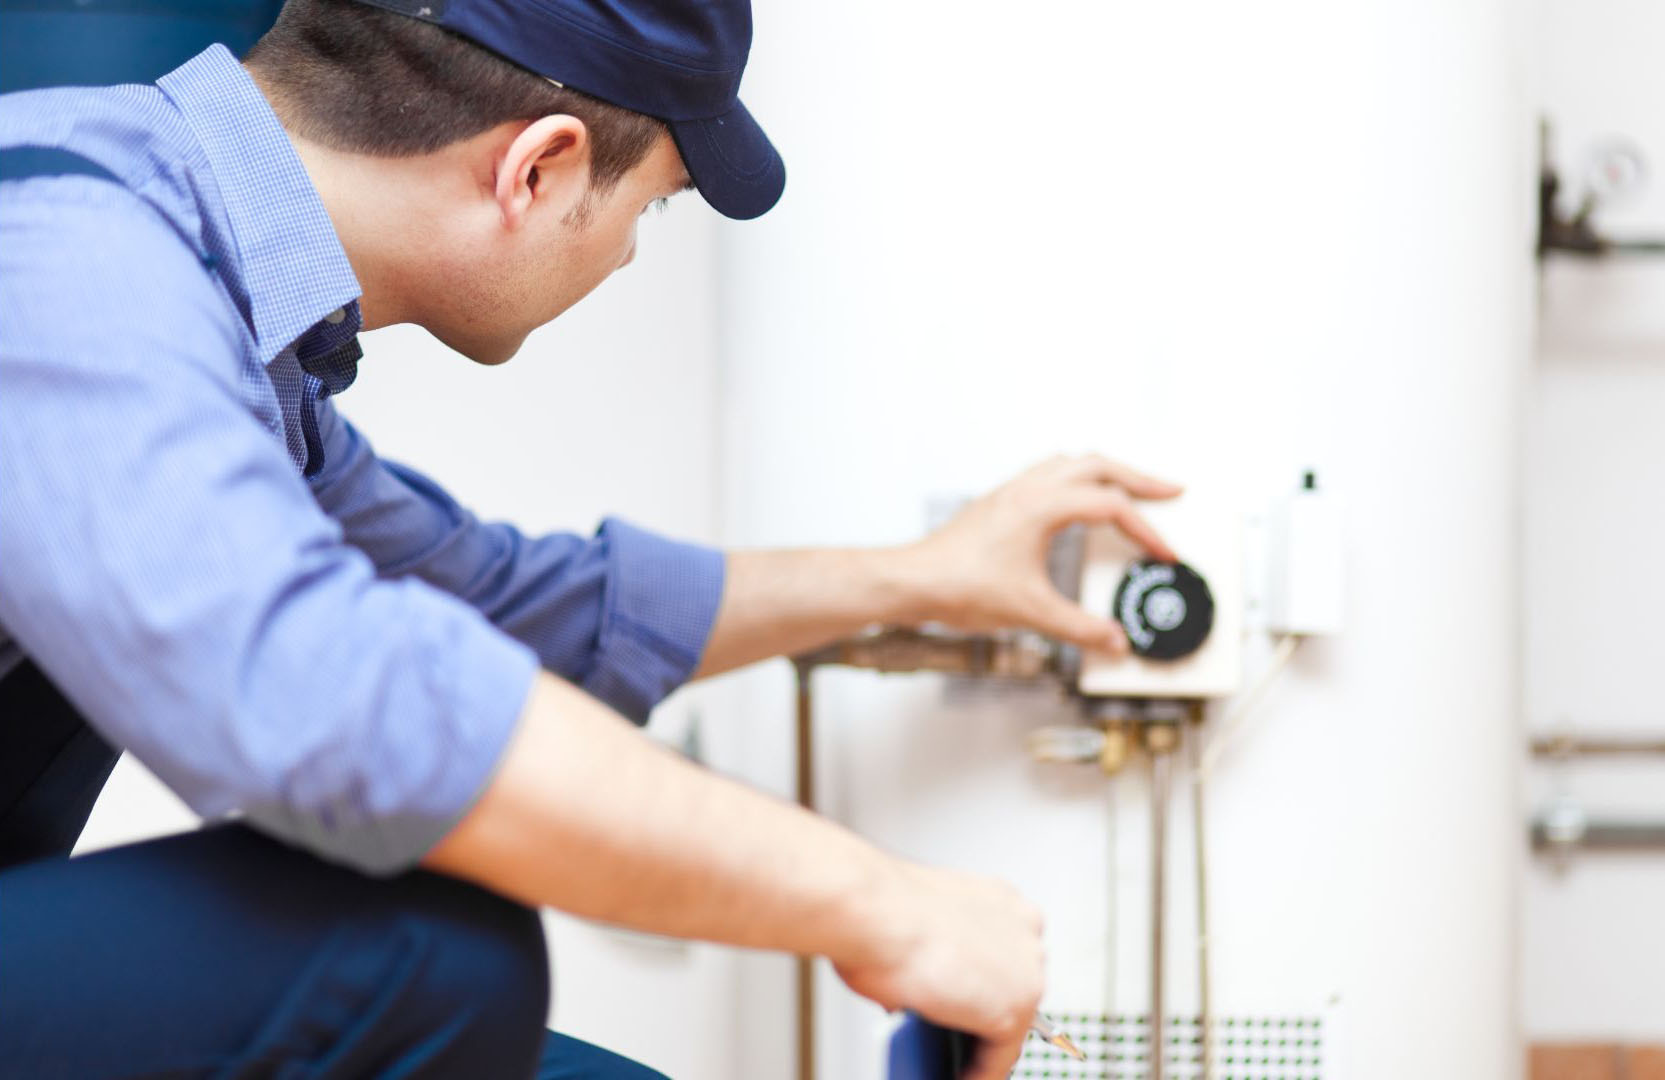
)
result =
(587, 815)
(777, 603)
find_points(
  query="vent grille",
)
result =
(1245, 1048)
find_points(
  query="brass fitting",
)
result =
(1117, 748)
(1161, 738)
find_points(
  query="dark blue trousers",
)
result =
(223, 953)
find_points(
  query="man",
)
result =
(202, 563)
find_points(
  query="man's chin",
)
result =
(487, 352)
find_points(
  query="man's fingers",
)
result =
(1131, 522)
(1097, 469)
(1070, 622)
(995, 1061)
(1107, 506)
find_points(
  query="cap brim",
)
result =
(731, 162)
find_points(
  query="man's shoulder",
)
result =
(141, 223)
(91, 273)
(132, 132)
(120, 123)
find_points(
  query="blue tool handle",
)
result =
(922, 1050)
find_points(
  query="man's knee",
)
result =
(566, 1058)
(473, 979)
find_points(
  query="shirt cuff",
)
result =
(659, 604)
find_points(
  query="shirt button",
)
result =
(336, 317)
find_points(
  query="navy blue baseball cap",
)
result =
(676, 60)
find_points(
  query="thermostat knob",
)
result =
(1165, 608)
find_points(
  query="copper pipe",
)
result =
(806, 799)
(1562, 746)
(899, 651)
(1161, 763)
(1205, 1004)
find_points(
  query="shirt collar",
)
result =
(289, 259)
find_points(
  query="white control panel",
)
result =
(1194, 610)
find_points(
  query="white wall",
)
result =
(1591, 950)
(610, 410)
(1225, 241)
(1592, 953)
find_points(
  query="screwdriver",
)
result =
(1047, 1032)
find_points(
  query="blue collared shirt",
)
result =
(212, 563)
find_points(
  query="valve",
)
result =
(1066, 743)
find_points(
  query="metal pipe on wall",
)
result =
(1159, 780)
(904, 651)
(1205, 993)
(805, 790)
(1636, 836)
(1160, 741)
(1565, 746)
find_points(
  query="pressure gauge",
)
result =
(1615, 169)
(1166, 609)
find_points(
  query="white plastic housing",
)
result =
(1305, 573)
(1208, 538)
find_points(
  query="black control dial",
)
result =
(1165, 608)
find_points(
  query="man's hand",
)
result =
(986, 569)
(966, 954)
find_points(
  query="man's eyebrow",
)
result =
(687, 184)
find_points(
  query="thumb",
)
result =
(1064, 619)
(991, 1061)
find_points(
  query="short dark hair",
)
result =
(368, 81)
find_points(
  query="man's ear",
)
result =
(549, 159)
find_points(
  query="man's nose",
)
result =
(629, 256)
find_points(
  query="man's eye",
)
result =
(657, 206)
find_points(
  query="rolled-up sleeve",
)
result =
(163, 562)
(624, 613)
